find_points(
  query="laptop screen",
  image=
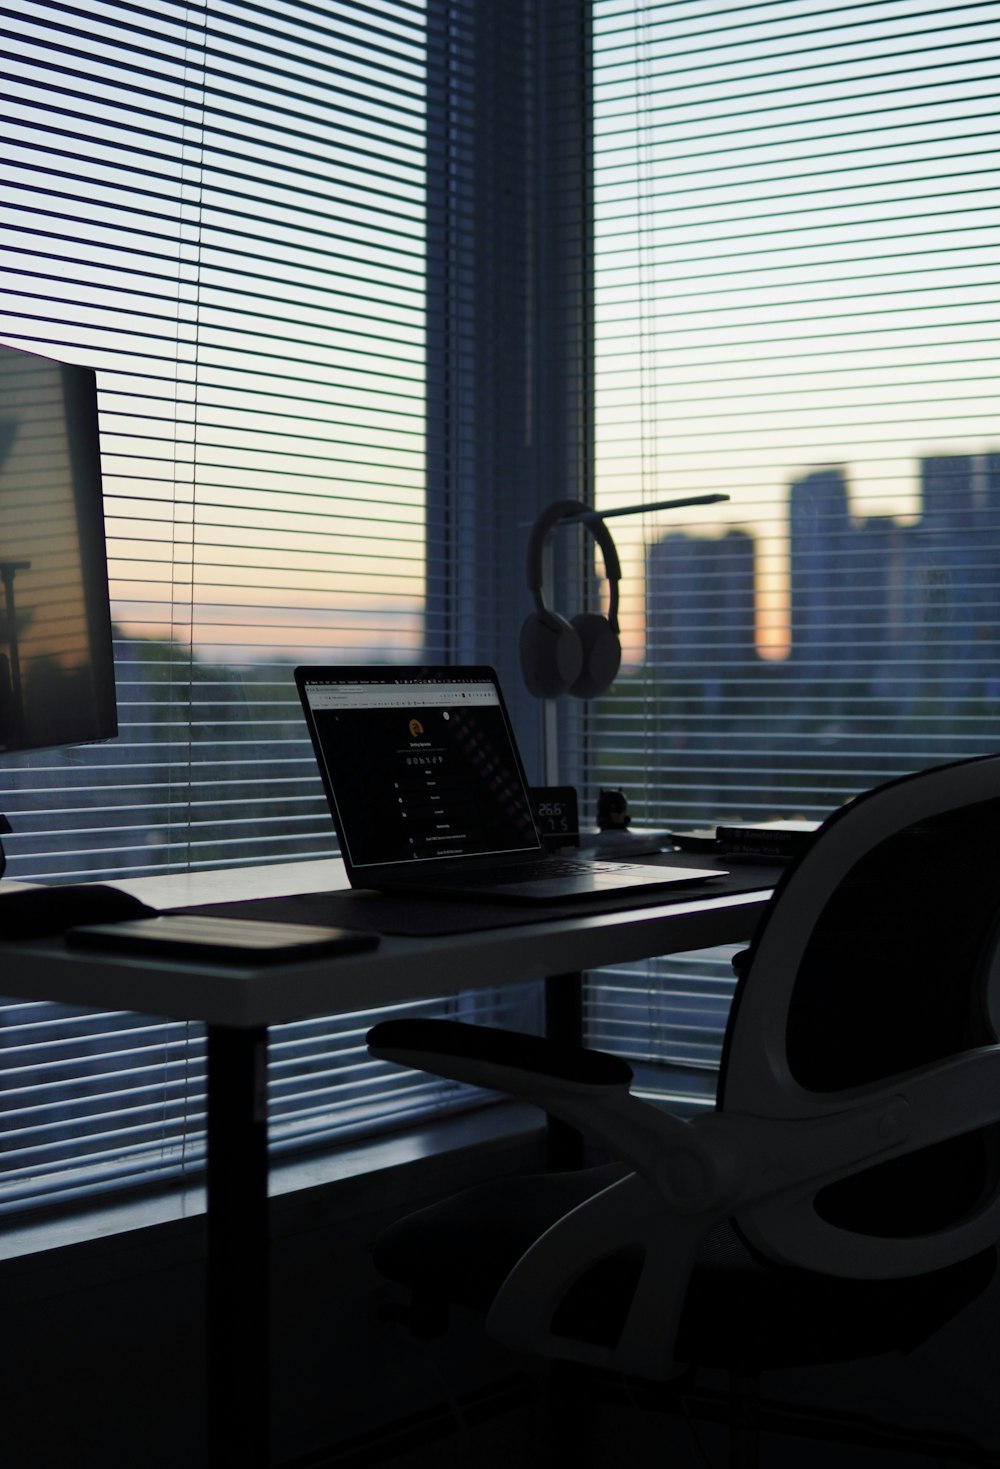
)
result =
(418, 764)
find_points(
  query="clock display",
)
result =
(556, 813)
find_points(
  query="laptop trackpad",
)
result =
(616, 878)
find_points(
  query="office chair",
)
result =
(843, 1198)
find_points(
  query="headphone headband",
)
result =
(547, 522)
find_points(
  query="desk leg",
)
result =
(237, 1284)
(564, 1146)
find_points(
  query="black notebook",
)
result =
(428, 792)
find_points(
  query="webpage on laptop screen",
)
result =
(421, 771)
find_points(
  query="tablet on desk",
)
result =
(221, 940)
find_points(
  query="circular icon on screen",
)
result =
(416, 728)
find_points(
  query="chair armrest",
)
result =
(433, 1045)
(719, 1160)
(587, 1089)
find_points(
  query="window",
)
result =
(796, 254)
(224, 210)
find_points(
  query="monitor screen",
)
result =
(56, 667)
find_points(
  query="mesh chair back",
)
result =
(878, 959)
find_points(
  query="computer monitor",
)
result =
(57, 683)
(56, 669)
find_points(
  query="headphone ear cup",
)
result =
(602, 655)
(551, 655)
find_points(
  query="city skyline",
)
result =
(865, 592)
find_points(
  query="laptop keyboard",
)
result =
(534, 870)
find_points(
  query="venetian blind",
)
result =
(796, 258)
(223, 210)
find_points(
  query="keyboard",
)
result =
(534, 870)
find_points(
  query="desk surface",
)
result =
(402, 968)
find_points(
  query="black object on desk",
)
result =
(752, 841)
(766, 841)
(557, 816)
(51, 909)
(221, 940)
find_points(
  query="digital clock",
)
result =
(556, 813)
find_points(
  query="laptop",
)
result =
(428, 792)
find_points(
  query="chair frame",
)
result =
(762, 1157)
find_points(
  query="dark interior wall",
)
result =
(103, 1345)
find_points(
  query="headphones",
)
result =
(580, 657)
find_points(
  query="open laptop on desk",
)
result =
(429, 795)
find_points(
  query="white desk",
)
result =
(238, 1005)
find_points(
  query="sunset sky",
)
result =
(797, 232)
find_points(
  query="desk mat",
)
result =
(429, 916)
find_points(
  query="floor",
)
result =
(519, 1428)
